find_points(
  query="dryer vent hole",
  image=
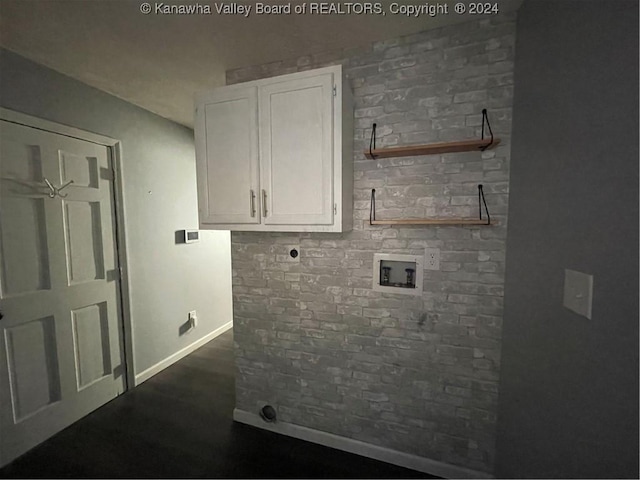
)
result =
(268, 413)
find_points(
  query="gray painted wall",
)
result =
(417, 374)
(167, 280)
(569, 386)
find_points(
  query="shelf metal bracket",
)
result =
(372, 208)
(485, 119)
(372, 142)
(481, 196)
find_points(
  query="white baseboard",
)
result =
(414, 462)
(158, 367)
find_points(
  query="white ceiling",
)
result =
(158, 61)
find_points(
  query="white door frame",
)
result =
(115, 150)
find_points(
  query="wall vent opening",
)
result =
(268, 413)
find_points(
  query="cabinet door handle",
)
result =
(252, 196)
(264, 203)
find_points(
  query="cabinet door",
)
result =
(226, 131)
(296, 151)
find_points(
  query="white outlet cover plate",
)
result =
(432, 259)
(578, 292)
(193, 318)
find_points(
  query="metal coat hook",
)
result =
(53, 191)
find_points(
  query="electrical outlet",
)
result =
(193, 319)
(578, 292)
(432, 259)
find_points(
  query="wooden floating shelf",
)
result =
(434, 221)
(432, 148)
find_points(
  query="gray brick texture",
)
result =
(418, 374)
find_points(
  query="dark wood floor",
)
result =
(179, 424)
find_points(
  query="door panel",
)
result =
(23, 242)
(33, 366)
(60, 339)
(23, 236)
(91, 342)
(82, 170)
(231, 143)
(296, 150)
(83, 241)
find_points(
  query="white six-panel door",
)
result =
(296, 151)
(61, 353)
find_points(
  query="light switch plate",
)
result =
(578, 292)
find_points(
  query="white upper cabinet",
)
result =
(277, 154)
(296, 120)
(228, 177)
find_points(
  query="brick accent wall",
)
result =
(418, 374)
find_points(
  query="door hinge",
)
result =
(335, 91)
